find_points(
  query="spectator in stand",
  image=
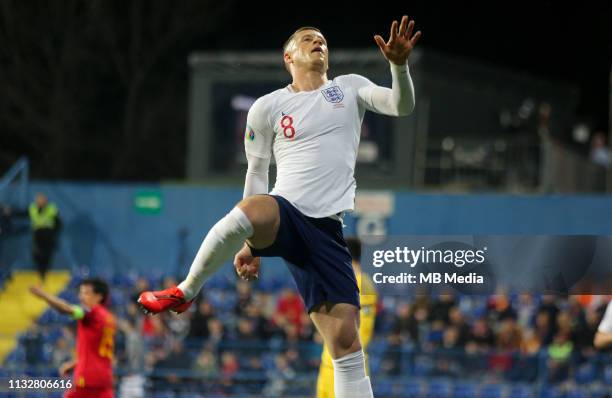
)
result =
(435, 335)
(500, 308)
(481, 337)
(170, 371)
(244, 297)
(33, 342)
(46, 225)
(441, 307)
(198, 328)
(457, 321)
(586, 335)
(404, 324)
(559, 355)
(289, 309)
(264, 329)
(391, 361)
(448, 359)
(526, 310)
(229, 367)
(530, 343)
(549, 304)
(508, 342)
(61, 352)
(205, 365)
(544, 327)
(600, 153)
(132, 383)
(245, 331)
(565, 324)
(217, 334)
(141, 285)
(279, 378)
(526, 369)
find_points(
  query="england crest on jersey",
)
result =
(333, 94)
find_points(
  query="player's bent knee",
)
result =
(264, 214)
(343, 346)
(345, 341)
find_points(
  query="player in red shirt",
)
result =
(93, 366)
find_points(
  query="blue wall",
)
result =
(102, 229)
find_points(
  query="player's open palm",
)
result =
(247, 266)
(401, 41)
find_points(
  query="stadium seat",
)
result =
(423, 366)
(412, 389)
(550, 392)
(599, 391)
(577, 392)
(608, 375)
(439, 389)
(491, 391)
(164, 394)
(585, 374)
(464, 390)
(190, 395)
(382, 388)
(521, 391)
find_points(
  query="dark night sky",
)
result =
(118, 97)
(567, 42)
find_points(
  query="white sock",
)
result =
(222, 242)
(350, 380)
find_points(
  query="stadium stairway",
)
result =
(19, 309)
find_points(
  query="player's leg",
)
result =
(339, 326)
(255, 219)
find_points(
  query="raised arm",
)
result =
(399, 100)
(55, 302)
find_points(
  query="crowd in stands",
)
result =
(240, 331)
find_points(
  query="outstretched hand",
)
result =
(401, 42)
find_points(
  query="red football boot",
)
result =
(171, 299)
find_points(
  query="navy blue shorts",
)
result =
(316, 254)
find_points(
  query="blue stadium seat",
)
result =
(423, 366)
(585, 373)
(521, 391)
(599, 391)
(382, 388)
(439, 389)
(577, 392)
(190, 395)
(163, 394)
(413, 389)
(124, 280)
(550, 392)
(491, 391)
(464, 390)
(608, 375)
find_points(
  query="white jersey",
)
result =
(606, 323)
(314, 136)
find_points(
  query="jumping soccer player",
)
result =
(93, 365)
(312, 126)
(367, 318)
(603, 337)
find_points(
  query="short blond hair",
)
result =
(292, 37)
